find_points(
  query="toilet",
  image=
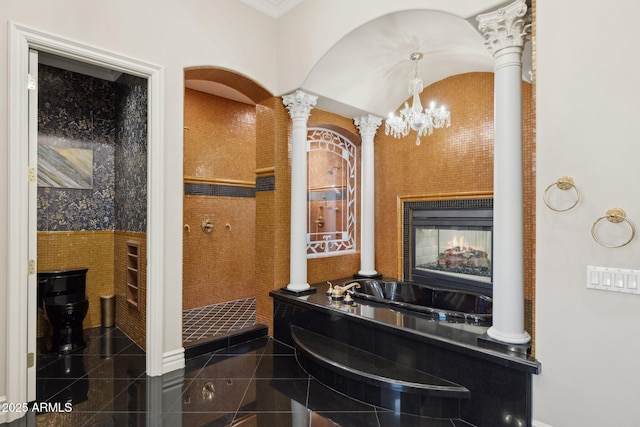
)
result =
(62, 296)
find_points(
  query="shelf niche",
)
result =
(133, 273)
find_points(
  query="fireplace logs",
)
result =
(461, 260)
(463, 257)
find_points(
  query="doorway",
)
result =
(92, 185)
(21, 281)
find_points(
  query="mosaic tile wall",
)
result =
(78, 111)
(109, 118)
(272, 221)
(220, 185)
(131, 155)
(76, 226)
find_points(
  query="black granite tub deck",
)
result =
(407, 362)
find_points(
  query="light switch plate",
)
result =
(613, 279)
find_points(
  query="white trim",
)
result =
(173, 360)
(3, 415)
(540, 424)
(22, 38)
(17, 241)
(32, 237)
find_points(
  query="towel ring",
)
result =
(616, 216)
(563, 183)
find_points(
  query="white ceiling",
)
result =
(369, 69)
(273, 8)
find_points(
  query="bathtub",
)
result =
(437, 303)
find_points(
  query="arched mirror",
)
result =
(331, 226)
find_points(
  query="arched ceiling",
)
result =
(368, 70)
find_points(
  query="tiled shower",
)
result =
(219, 189)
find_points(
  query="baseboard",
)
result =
(539, 424)
(173, 360)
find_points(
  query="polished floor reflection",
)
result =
(258, 383)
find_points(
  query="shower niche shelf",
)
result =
(133, 273)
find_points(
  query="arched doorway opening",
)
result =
(219, 204)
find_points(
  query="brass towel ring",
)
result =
(563, 183)
(614, 215)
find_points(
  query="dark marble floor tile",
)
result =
(343, 419)
(48, 388)
(69, 367)
(460, 423)
(131, 349)
(272, 419)
(212, 395)
(123, 367)
(197, 419)
(275, 395)
(241, 366)
(105, 341)
(129, 396)
(394, 419)
(73, 418)
(108, 419)
(279, 367)
(44, 359)
(257, 384)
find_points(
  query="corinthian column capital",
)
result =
(505, 27)
(299, 104)
(367, 125)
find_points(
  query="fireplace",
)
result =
(449, 243)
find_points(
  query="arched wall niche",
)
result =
(332, 191)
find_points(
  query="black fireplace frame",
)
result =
(461, 212)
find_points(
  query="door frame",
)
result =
(21, 40)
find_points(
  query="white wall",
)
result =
(174, 35)
(587, 127)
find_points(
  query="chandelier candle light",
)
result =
(423, 122)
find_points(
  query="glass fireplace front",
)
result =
(453, 248)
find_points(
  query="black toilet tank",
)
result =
(62, 282)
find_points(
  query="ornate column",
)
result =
(505, 31)
(367, 126)
(299, 105)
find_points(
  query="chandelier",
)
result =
(423, 122)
